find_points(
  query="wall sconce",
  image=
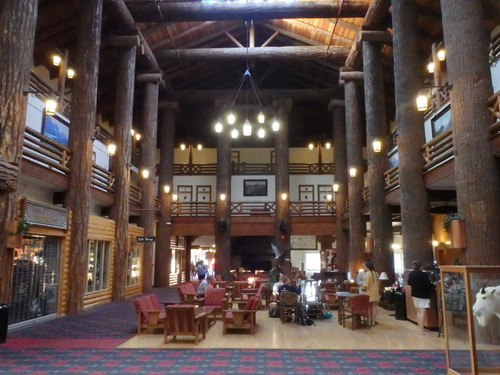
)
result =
(284, 196)
(431, 67)
(328, 145)
(377, 145)
(329, 197)
(311, 146)
(132, 132)
(111, 149)
(336, 188)
(182, 146)
(50, 107)
(175, 196)
(352, 172)
(166, 189)
(56, 60)
(422, 98)
(441, 54)
(222, 197)
(70, 73)
(138, 136)
(199, 147)
(145, 174)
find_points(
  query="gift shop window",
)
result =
(98, 266)
(133, 263)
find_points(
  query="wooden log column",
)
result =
(340, 161)
(282, 219)
(354, 141)
(83, 119)
(476, 170)
(163, 253)
(148, 161)
(223, 206)
(377, 130)
(120, 165)
(17, 22)
(415, 211)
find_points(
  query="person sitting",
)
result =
(204, 285)
(277, 285)
(288, 287)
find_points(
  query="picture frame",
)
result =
(441, 122)
(255, 188)
(56, 129)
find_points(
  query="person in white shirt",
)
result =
(204, 285)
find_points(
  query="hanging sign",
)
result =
(146, 239)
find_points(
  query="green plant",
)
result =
(449, 218)
(23, 226)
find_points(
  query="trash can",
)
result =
(4, 322)
(400, 308)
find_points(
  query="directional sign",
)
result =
(146, 239)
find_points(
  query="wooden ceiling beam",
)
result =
(312, 95)
(291, 35)
(258, 53)
(217, 11)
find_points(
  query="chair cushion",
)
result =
(229, 318)
(155, 302)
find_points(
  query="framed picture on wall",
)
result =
(56, 129)
(255, 188)
(441, 122)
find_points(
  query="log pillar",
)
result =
(377, 130)
(83, 119)
(476, 170)
(340, 161)
(223, 206)
(354, 141)
(148, 161)
(163, 253)
(415, 210)
(17, 22)
(120, 165)
(282, 222)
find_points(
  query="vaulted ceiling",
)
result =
(293, 49)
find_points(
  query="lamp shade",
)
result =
(383, 276)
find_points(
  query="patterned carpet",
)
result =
(86, 344)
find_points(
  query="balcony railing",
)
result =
(253, 169)
(254, 209)
(391, 178)
(438, 98)
(102, 179)
(438, 150)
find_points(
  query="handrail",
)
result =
(253, 208)
(437, 150)
(43, 89)
(318, 208)
(193, 208)
(391, 178)
(244, 168)
(44, 151)
(494, 54)
(439, 97)
(135, 196)
(102, 179)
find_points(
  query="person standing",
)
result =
(201, 270)
(421, 288)
(371, 288)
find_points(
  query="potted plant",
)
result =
(17, 229)
(449, 218)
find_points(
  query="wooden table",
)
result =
(343, 298)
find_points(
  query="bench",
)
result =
(150, 313)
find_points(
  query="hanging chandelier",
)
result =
(248, 113)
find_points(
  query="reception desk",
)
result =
(431, 320)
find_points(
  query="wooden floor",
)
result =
(388, 334)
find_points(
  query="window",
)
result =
(133, 263)
(98, 265)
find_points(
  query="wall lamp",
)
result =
(377, 145)
(175, 196)
(145, 174)
(50, 103)
(423, 96)
(284, 196)
(222, 197)
(336, 187)
(111, 149)
(166, 189)
(352, 172)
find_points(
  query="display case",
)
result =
(471, 315)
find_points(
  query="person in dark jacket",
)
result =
(421, 288)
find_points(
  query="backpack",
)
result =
(302, 318)
(325, 311)
(274, 311)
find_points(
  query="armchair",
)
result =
(216, 298)
(149, 313)
(182, 320)
(241, 319)
(187, 294)
(356, 308)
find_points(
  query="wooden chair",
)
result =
(150, 314)
(238, 286)
(241, 319)
(187, 294)
(287, 305)
(357, 309)
(216, 298)
(183, 320)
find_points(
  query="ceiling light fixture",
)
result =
(249, 112)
